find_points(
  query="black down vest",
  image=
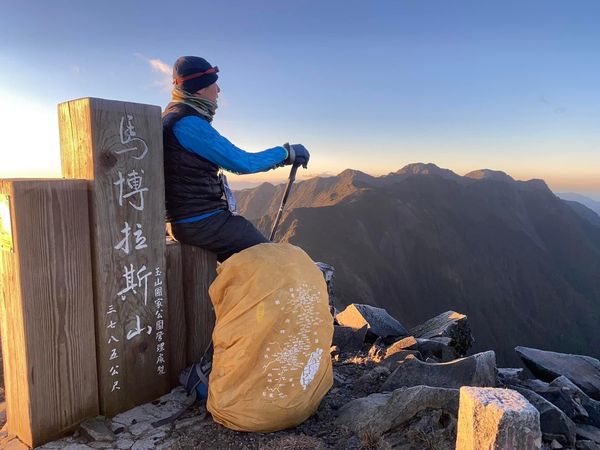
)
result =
(192, 183)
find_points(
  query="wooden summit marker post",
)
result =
(118, 147)
(46, 308)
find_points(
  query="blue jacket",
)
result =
(199, 136)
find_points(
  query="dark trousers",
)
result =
(223, 234)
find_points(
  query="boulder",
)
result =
(588, 432)
(450, 324)
(357, 414)
(393, 353)
(377, 320)
(475, 370)
(492, 418)
(564, 398)
(567, 401)
(381, 413)
(553, 422)
(349, 339)
(435, 348)
(399, 345)
(591, 406)
(584, 371)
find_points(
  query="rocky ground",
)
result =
(196, 430)
(393, 389)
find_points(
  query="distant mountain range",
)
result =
(523, 264)
(592, 204)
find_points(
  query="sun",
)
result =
(30, 144)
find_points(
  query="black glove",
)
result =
(297, 155)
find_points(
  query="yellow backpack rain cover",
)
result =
(273, 331)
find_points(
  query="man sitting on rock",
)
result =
(199, 204)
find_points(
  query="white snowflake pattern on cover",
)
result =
(284, 359)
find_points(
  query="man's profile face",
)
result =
(210, 92)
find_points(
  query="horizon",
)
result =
(466, 86)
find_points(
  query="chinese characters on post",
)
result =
(131, 193)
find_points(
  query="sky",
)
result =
(511, 85)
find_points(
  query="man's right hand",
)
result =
(297, 155)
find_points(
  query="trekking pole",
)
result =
(284, 200)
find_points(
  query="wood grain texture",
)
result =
(47, 318)
(176, 312)
(130, 371)
(199, 271)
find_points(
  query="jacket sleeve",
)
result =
(198, 136)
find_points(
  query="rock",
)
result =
(435, 348)
(591, 406)
(491, 418)
(564, 398)
(475, 370)
(349, 339)
(450, 324)
(588, 432)
(586, 445)
(584, 371)
(508, 376)
(567, 401)
(380, 413)
(356, 414)
(553, 422)
(442, 340)
(377, 320)
(97, 429)
(392, 361)
(402, 344)
(555, 445)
